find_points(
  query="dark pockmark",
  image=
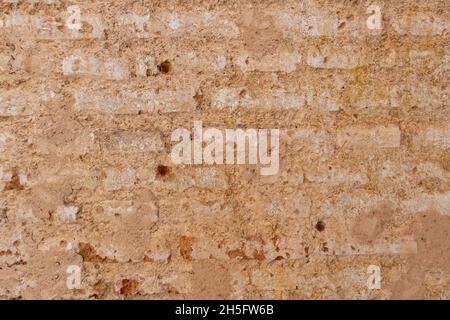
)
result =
(165, 67)
(162, 171)
(320, 226)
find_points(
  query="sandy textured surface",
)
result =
(88, 104)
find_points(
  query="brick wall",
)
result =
(91, 91)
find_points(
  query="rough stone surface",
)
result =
(91, 91)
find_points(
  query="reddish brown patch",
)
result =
(341, 25)
(258, 255)
(186, 247)
(129, 287)
(89, 254)
(14, 183)
(236, 253)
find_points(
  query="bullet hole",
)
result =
(320, 226)
(165, 67)
(162, 171)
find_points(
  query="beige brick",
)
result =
(130, 102)
(377, 137)
(117, 179)
(329, 57)
(434, 137)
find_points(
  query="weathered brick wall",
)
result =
(88, 102)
